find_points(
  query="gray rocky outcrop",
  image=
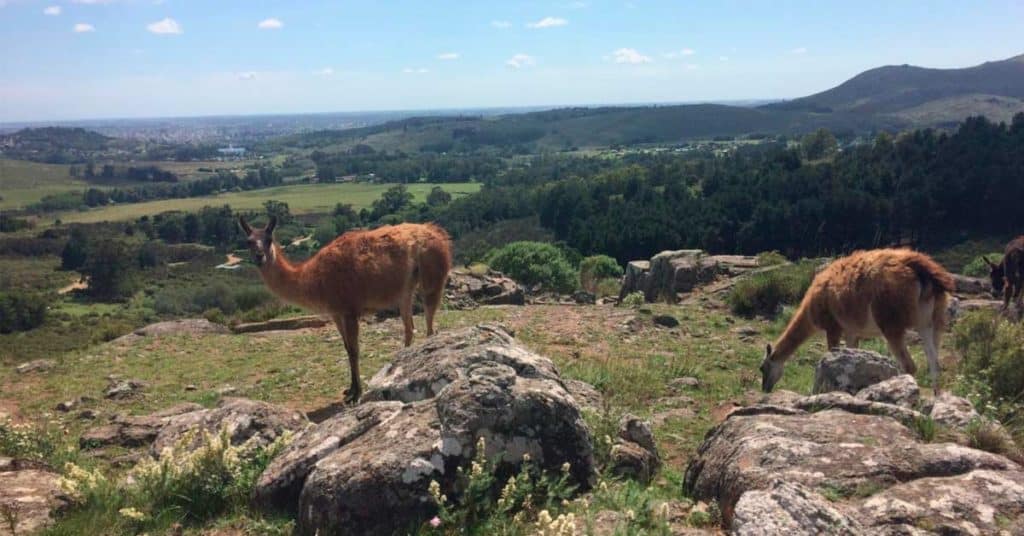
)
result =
(841, 462)
(850, 370)
(467, 289)
(367, 469)
(29, 497)
(672, 272)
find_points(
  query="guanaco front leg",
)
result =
(899, 350)
(405, 310)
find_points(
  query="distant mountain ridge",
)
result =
(896, 89)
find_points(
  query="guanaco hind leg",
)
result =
(348, 325)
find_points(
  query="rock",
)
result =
(667, 321)
(977, 502)
(686, 382)
(674, 414)
(827, 449)
(634, 454)
(33, 496)
(66, 406)
(367, 469)
(583, 297)
(972, 285)
(192, 326)
(635, 278)
(630, 460)
(951, 410)
(191, 387)
(850, 370)
(851, 404)
(227, 390)
(88, 414)
(790, 509)
(467, 289)
(135, 430)
(122, 389)
(242, 419)
(677, 271)
(901, 390)
(745, 331)
(37, 365)
(586, 396)
(282, 324)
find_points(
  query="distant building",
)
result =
(232, 152)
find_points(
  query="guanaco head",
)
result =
(998, 275)
(771, 370)
(261, 241)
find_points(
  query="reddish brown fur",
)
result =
(363, 271)
(869, 293)
(1008, 276)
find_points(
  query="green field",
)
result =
(301, 199)
(23, 182)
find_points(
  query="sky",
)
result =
(86, 59)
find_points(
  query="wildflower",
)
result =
(630, 515)
(526, 458)
(565, 468)
(435, 491)
(132, 513)
(435, 522)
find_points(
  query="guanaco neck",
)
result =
(285, 280)
(799, 329)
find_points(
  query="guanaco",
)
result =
(869, 293)
(1008, 276)
(359, 272)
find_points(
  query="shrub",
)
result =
(634, 300)
(771, 258)
(766, 292)
(215, 296)
(977, 266)
(110, 266)
(595, 268)
(251, 298)
(535, 263)
(29, 442)
(607, 287)
(992, 349)
(22, 311)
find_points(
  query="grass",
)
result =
(301, 199)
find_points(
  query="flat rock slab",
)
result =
(367, 469)
(282, 324)
(34, 495)
(850, 370)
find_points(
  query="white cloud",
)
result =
(167, 26)
(410, 70)
(519, 61)
(92, 2)
(448, 56)
(270, 24)
(723, 58)
(53, 11)
(687, 52)
(629, 55)
(326, 71)
(82, 27)
(501, 24)
(247, 76)
(800, 50)
(547, 22)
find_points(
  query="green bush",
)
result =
(111, 266)
(634, 300)
(596, 268)
(766, 292)
(992, 351)
(771, 258)
(215, 296)
(533, 263)
(22, 311)
(977, 266)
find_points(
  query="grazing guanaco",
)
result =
(1008, 276)
(869, 293)
(359, 272)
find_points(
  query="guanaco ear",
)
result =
(245, 226)
(988, 262)
(767, 350)
(270, 226)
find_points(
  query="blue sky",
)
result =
(75, 59)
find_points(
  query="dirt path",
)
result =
(78, 284)
(301, 240)
(232, 259)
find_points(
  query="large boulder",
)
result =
(466, 289)
(367, 470)
(29, 498)
(678, 271)
(635, 278)
(850, 370)
(243, 420)
(842, 463)
(133, 430)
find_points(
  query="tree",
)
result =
(110, 268)
(73, 256)
(393, 200)
(438, 197)
(192, 227)
(818, 145)
(278, 209)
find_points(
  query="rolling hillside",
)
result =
(921, 95)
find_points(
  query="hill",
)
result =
(921, 95)
(54, 145)
(569, 128)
